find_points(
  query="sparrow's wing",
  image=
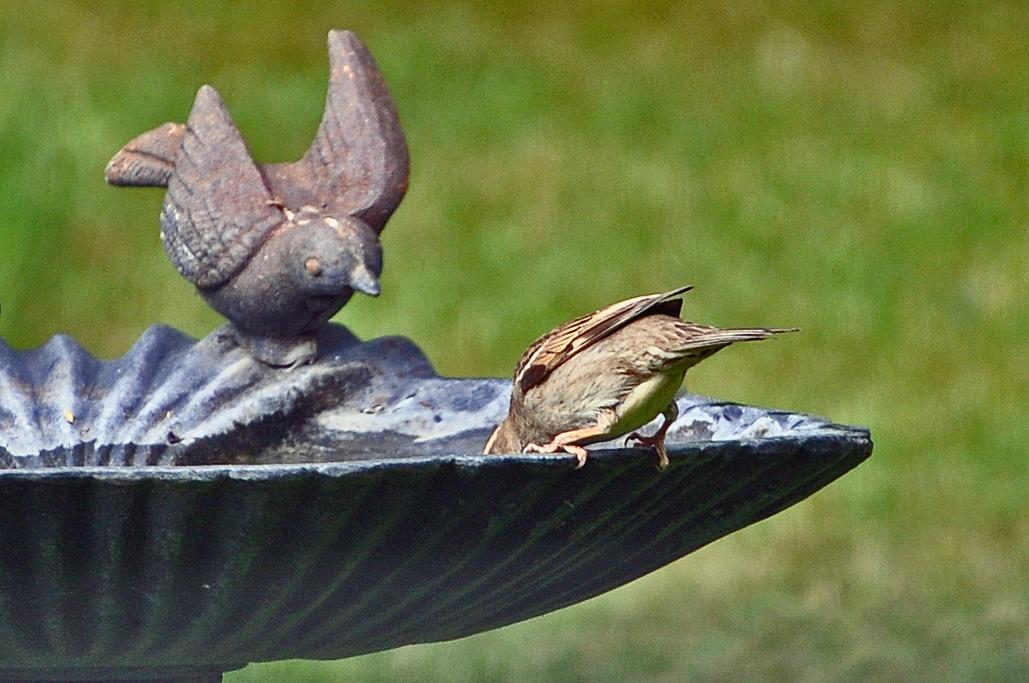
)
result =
(358, 162)
(217, 211)
(554, 348)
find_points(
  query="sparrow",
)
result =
(607, 374)
(279, 248)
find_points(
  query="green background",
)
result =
(858, 170)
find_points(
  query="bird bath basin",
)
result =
(184, 510)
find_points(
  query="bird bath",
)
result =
(186, 509)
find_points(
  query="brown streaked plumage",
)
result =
(607, 374)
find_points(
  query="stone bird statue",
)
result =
(278, 249)
(607, 374)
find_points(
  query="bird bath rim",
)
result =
(185, 570)
(171, 514)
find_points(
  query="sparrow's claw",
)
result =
(658, 443)
(578, 451)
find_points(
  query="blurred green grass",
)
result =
(859, 171)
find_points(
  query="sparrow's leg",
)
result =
(552, 447)
(565, 441)
(658, 439)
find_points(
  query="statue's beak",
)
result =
(363, 280)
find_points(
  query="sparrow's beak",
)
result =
(363, 280)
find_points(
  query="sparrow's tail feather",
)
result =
(716, 337)
(696, 342)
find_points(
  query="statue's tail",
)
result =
(148, 160)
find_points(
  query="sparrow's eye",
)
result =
(314, 266)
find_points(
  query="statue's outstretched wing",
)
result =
(217, 210)
(147, 160)
(358, 162)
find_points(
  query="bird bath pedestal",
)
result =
(184, 510)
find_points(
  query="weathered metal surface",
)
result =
(171, 400)
(380, 526)
(278, 249)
